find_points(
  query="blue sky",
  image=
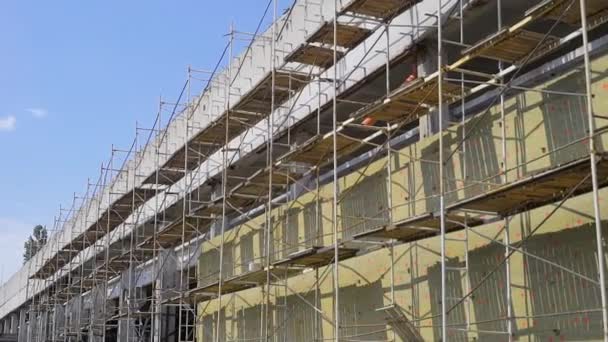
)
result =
(75, 78)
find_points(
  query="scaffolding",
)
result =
(233, 190)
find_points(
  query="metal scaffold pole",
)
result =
(156, 299)
(107, 239)
(269, 161)
(503, 170)
(593, 160)
(441, 171)
(183, 308)
(336, 189)
(224, 188)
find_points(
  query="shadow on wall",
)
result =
(456, 319)
(430, 175)
(249, 323)
(297, 320)
(548, 292)
(552, 290)
(490, 300)
(364, 206)
(360, 319)
(565, 119)
(209, 325)
(480, 166)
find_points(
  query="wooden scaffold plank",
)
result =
(539, 189)
(347, 36)
(319, 149)
(381, 9)
(319, 56)
(316, 256)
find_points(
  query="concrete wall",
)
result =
(536, 124)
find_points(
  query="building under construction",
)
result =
(362, 170)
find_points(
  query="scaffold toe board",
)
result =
(119, 264)
(82, 241)
(259, 99)
(171, 235)
(319, 149)
(215, 134)
(208, 209)
(319, 56)
(347, 36)
(433, 221)
(195, 295)
(513, 46)
(392, 110)
(200, 147)
(177, 162)
(257, 184)
(53, 264)
(381, 9)
(539, 189)
(108, 221)
(419, 227)
(165, 177)
(385, 233)
(316, 256)
(596, 9)
(423, 90)
(258, 277)
(229, 285)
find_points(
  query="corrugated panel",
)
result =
(481, 161)
(454, 292)
(249, 324)
(289, 232)
(209, 327)
(430, 178)
(246, 250)
(565, 120)
(298, 319)
(313, 224)
(210, 263)
(365, 205)
(273, 244)
(359, 315)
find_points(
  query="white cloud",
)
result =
(8, 123)
(38, 113)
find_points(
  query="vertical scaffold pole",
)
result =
(131, 293)
(467, 282)
(441, 166)
(389, 166)
(593, 159)
(335, 181)
(157, 288)
(224, 188)
(507, 237)
(183, 308)
(269, 160)
(388, 59)
(108, 184)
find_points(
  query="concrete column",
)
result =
(22, 330)
(32, 325)
(58, 321)
(14, 323)
(43, 327)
